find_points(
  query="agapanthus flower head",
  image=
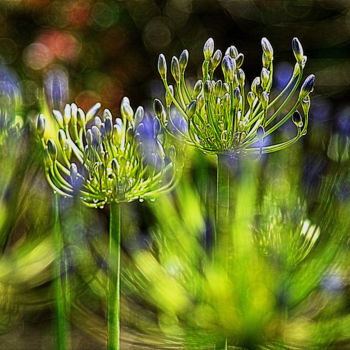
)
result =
(103, 158)
(224, 115)
(10, 100)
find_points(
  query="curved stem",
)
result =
(60, 305)
(114, 278)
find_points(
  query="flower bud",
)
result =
(139, 114)
(208, 49)
(215, 60)
(74, 112)
(266, 61)
(40, 125)
(236, 96)
(175, 69)
(52, 149)
(197, 88)
(115, 165)
(218, 87)
(240, 77)
(92, 111)
(297, 120)
(73, 172)
(232, 52)
(251, 98)
(307, 86)
(62, 138)
(267, 48)
(159, 110)
(191, 109)
(126, 110)
(81, 118)
(162, 66)
(260, 132)
(298, 50)
(228, 67)
(108, 125)
(239, 60)
(67, 114)
(96, 135)
(265, 76)
(264, 99)
(208, 87)
(98, 122)
(59, 118)
(200, 102)
(183, 60)
(89, 137)
(255, 84)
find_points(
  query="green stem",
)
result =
(223, 241)
(222, 197)
(60, 307)
(114, 278)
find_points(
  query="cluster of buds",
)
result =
(104, 159)
(221, 115)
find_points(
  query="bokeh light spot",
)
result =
(157, 34)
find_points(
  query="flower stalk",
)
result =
(114, 277)
(103, 160)
(61, 325)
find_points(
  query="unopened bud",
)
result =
(267, 48)
(251, 98)
(232, 51)
(89, 138)
(74, 112)
(81, 118)
(67, 114)
(218, 88)
(265, 76)
(183, 60)
(191, 109)
(59, 118)
(93, 111)
(208, 49)
(200, 102)
(108, 125)
(159, 110)
(126, 110)
(298, 50)
(52, 149)
(307, 86)
(96, 135)
(236, 96)
(215, 60)
(62, 138)
(139, 114)
(297, 120)
(264, 99)
(40, 125)
(239, 60)
(255, 84)
(228, 67)
(175, 69)
(197, 88)
(162, 66)
(241, 76)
